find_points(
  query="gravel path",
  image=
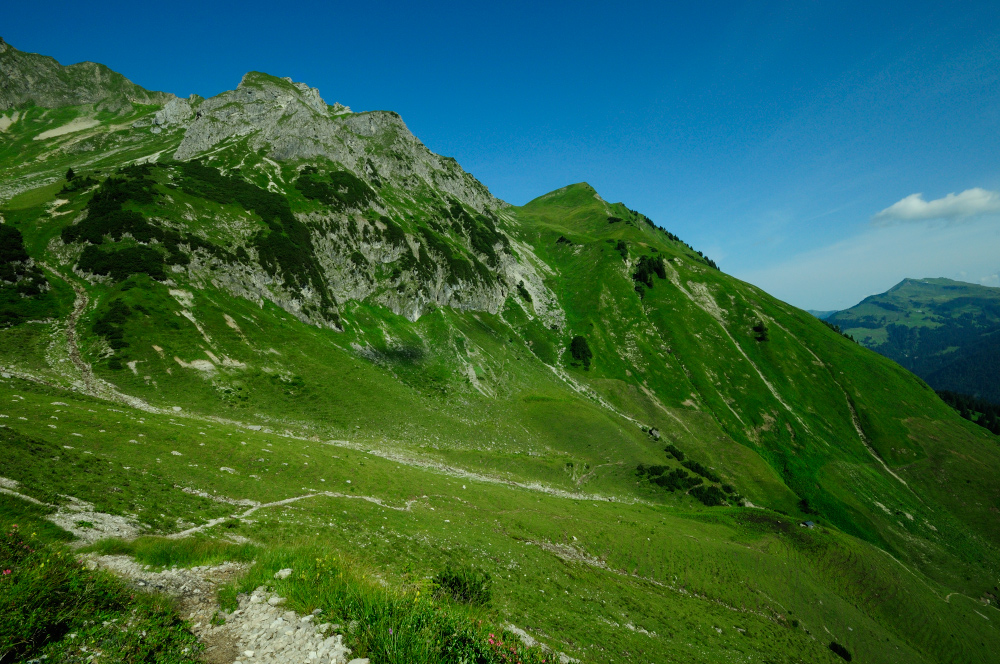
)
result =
(260, 630)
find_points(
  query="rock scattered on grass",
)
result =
(259, 631)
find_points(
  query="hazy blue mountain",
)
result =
(947, 332)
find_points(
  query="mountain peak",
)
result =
(572, 195)
(284, 86)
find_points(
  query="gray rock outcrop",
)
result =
(291, 121)
(174, 112)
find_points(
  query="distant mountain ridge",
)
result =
(42, 81)
(945, 331)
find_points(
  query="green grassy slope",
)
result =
(545, 445)
(788, 399)
(703, 584)
(470, 433)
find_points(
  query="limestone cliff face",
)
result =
(42, 81)
(291, 121)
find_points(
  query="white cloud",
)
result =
(969, 203)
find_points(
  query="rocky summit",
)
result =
(279, 383)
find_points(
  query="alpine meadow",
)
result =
(280, 384)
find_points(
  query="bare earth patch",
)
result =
(79, 124)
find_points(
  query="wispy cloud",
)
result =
(969, 203)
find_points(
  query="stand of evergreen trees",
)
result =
(983, 413)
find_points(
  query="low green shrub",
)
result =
(51, 607)
(24, 290)
(466, 584)
(647, 268)
(760, 332)
(651, 471)
(674, 452)
(523, 292)
(580, 350)
(286, 247)
(109, 324)
(710, 495)
(840, 651)
(696, 467)
(341, 190)
(676, 480)
(123, 263)
(622, 248)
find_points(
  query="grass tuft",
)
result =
(162, 552)
(412, 623)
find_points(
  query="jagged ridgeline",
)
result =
(266, 303)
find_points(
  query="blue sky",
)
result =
(777, 137)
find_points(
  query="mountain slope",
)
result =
(947, 332)
(29, 78)
(263, 297)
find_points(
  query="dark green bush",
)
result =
(651, 471)
(123, 263)
(286, 247)
(709, 495)
(696, 467)
(470, 585)
(647, 268)
(676, 480)
(622, 248)
(24, 290)
(523, 292)
(106, 218)
(78, 184)
(393, 232)
(840, 651)
(580, 350)
(760, 331)
(674, 452)
(11, 246)
(109, 325)
(341, 190)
